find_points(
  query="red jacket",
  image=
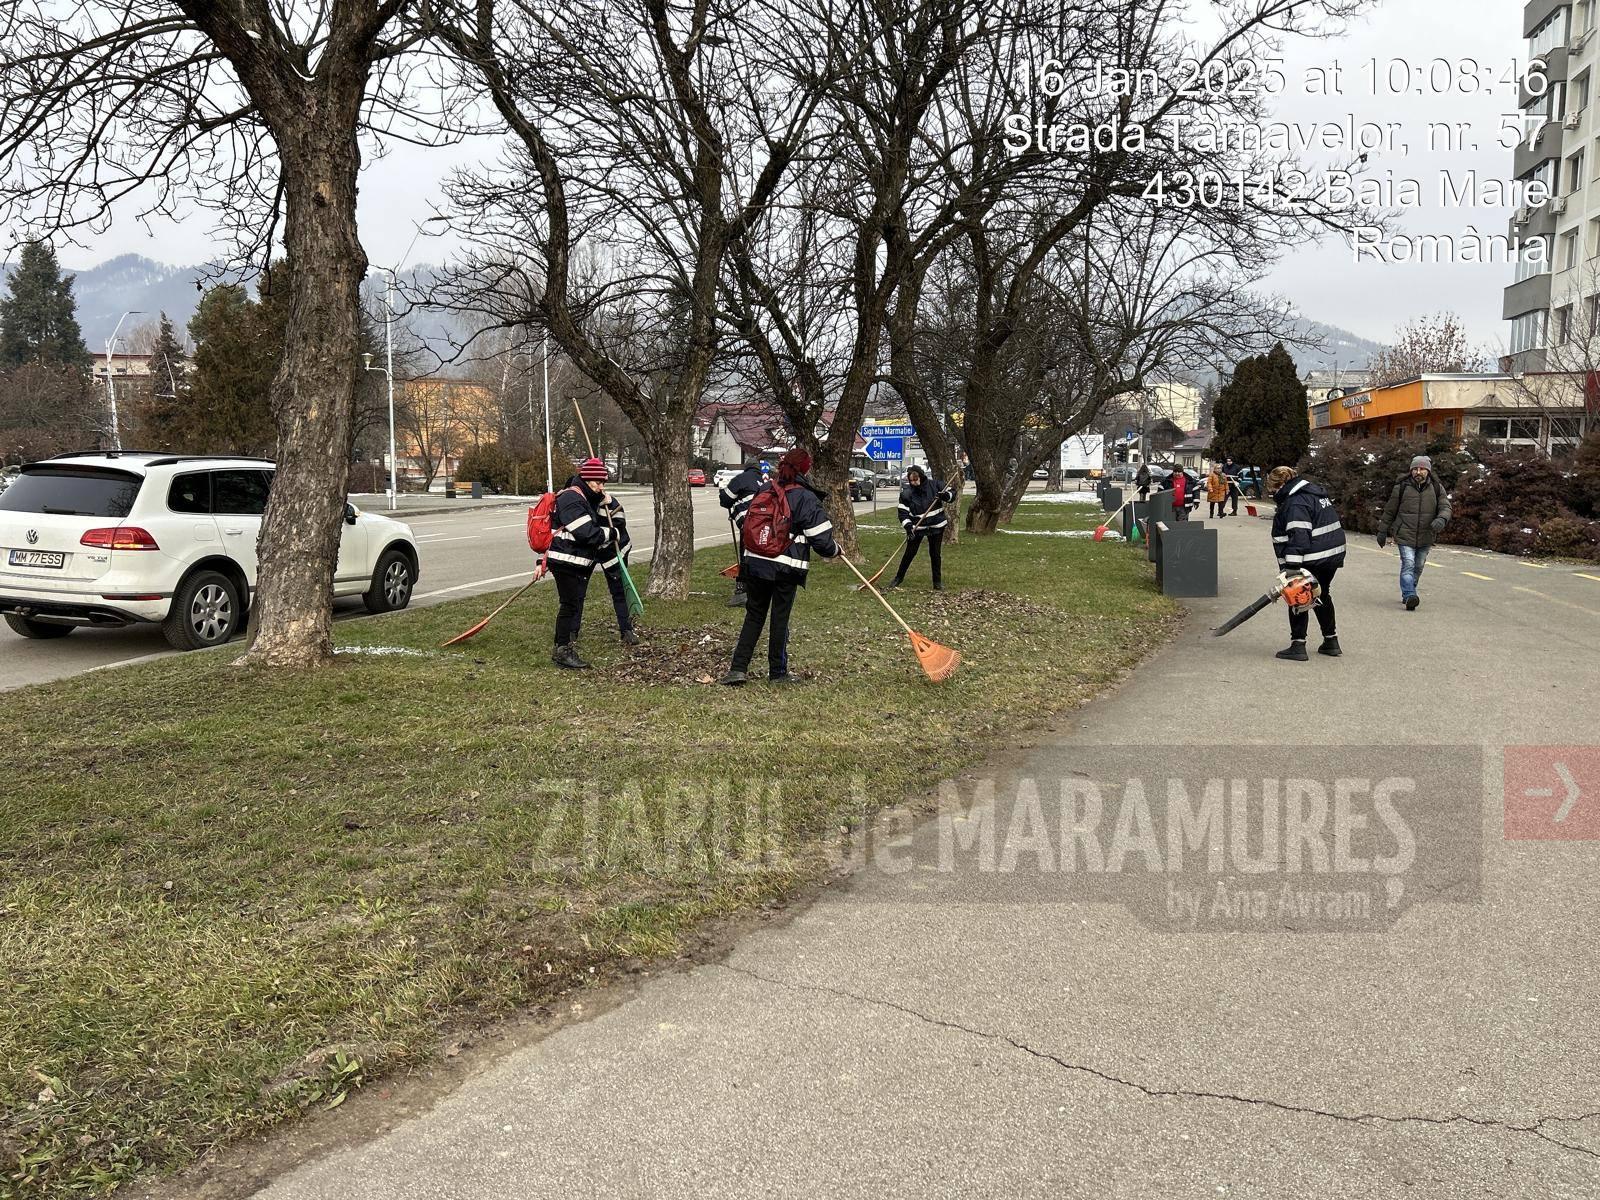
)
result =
(1179, 483)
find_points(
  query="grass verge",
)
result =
(227, 896)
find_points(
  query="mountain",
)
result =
(129, 283)
(1337, 345)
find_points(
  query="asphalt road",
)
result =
(476, 549)
(956, 1032)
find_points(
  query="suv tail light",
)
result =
(121, 537)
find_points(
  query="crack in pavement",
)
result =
(1536, 1129)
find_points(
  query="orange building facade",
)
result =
(1544, 413)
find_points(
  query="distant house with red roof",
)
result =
(731, 434)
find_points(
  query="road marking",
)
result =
(1593, 612)
(1475, 575)
(1585, 575)
(1535, 566)
(642, 551)
(431, 539)
(513, 525)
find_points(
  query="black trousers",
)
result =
(1233, 496)
(935, 540)
(1216, 508)
(571, 588)
(762, 596)
(619, 599)
(1300, 621)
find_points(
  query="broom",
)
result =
(733, 533)
(938, 662)
(1100, 530)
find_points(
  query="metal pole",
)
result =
(111, 385)
(388, 375)
(549, 461)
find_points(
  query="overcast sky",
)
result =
(1323, 282)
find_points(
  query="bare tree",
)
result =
(624, 195)
(1436, 344)
(257, 111)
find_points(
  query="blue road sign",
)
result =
(888, 431)
(883, 448)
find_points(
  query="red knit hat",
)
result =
(594, 469)
(796, 460)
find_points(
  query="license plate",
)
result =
(37, 558)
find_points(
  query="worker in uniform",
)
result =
(922, 516)
(616, 558)
(579, 539)
(1307, 535)
(735, 496)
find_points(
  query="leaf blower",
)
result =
(1298, 588)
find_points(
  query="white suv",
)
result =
(114, 538)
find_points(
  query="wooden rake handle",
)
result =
(867, 583)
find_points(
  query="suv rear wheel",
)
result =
(205, 612)
(392, 581)
(41, 631)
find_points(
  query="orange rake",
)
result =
(484, 624)
(938, 662)
(1100, 530)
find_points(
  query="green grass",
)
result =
(227, 896)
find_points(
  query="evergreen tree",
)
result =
(237, 349)
(1261, 415)
(164, 411)
(38, 317)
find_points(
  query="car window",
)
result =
(72, 491)
(190, 493)
(240, 492)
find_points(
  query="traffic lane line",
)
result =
(1585, 575)
(1593, 612)
(1475, 575)
(479, 583)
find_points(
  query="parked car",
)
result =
(887, 479)
(697, 477)
(109, 538)
(863, 486)
(1041, 473)
(723, 477)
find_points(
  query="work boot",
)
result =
(785, 679)
(567, 656)
(1295, 653)
(1330, 647)
(734, 679)
(630, 637)
(737, 599)
(938, 586)
(891, 585)
(1412, 602)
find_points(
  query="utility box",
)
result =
(1187, 564)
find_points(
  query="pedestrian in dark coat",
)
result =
(771, 581)
(735, 496)
(1307, 535)
(922, 516)
(1418, 509)
(579, 539)
(1141, 480)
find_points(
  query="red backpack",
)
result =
(540, 517)
(766, 522)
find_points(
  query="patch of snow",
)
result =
(1110, 535)
(1064, 498)
(377, 651)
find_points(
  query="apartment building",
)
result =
(1555, 296)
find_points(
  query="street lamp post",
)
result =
(388, 374)
(111, 383)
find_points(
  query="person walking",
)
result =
(1216, 492)
(735, 496)
(1179, 480)
(922, 516)
(1307, 535)
(1418, 509)
(1141, 480)
(772, 579)
(579, 540)
(615, 557)
(1233, 492)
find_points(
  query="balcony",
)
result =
(1528, 296)
(1548, 145)
(1535, 11)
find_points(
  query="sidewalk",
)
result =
(955, 1033)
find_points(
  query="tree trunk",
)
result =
(831, 474)
(944, 458)
(673, 556)
(988, 503)
(313, 394)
